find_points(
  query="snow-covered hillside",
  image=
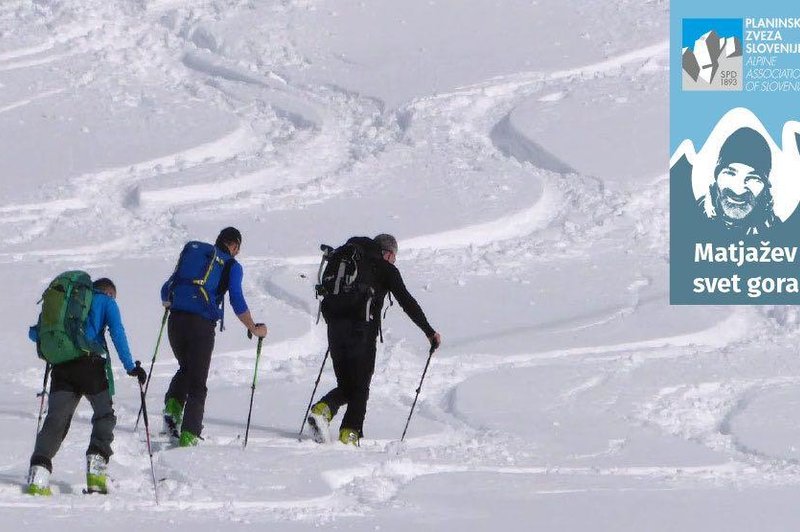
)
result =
(517, 149)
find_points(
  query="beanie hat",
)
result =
(746, 146)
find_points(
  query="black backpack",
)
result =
(347, 279)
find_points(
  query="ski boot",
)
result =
(348, 437)
(319, 421)
(38, 481)
(96, 467)
(173, 417)
(187, 439)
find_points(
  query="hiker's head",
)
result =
(388, 245)
(106, 286)
(231, 239)
(741, 189)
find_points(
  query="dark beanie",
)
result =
(746, 146)
(229, 235)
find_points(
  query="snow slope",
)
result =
(494, 139)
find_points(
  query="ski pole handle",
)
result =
(250, 333)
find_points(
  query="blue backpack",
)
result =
(199, 281)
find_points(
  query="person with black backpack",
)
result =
(194, 294)
(353, 285)
(70, 336)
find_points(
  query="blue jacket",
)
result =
(103, 313)
(235, 294)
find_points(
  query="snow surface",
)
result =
(518, 151)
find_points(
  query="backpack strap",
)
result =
(79, 333)
(337, 285)
(390, 305)
(224, 284)
(107, 366)
(201, 283)
(225, 279)
(380, 323)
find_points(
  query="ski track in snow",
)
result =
(28, 101)
(6, 67)
(325, 124)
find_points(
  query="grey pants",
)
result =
(80, 378)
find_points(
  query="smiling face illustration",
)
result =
(740, 197)
(739, 188)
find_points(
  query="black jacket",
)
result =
(388, 279)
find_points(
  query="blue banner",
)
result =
(735, 164)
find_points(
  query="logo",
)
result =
(711, 55)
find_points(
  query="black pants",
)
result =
(72, 380)
(192, 340)
(352, 345)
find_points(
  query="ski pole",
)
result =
(152, 363)
(310, 401)
(252, 389)
(149, 446)
(419, 388)
(42, 395)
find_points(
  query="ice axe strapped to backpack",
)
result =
(346, 279)
(326, 251)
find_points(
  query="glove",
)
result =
(139, 372)
(436, 340)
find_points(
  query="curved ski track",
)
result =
(325, 123)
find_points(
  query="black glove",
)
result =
(434, 341)
(139, 372)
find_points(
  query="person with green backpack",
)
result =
(70, 336)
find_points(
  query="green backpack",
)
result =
(65, 307)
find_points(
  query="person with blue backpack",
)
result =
(194, 295)
(70, 336)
